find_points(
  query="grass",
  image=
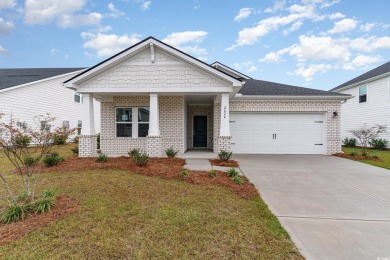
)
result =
(384, 157)
(126, 215)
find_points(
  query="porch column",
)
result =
(224, 127)
(87, 142)
(154, 140)
(154, 128)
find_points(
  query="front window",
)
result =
(362, 94)
(132, 122)
(79, 126)
(77, 97)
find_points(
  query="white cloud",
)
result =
(179, 38)
(367, 27)
(248, 66)
(273, 57)
(309, 72)
(361, 61)
(64, 13)
(293, 28)
(3, 51)
(368, 44)
(145, 5)
(7, 4)
(336, 16)
(326, 4)
(243, 14)
(114, 12)
(6, 27)
(252, 69)
(108, 44)
(344, 25)
(69, 21)
(53, 51)
(279, 5)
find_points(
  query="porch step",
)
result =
(199, 154)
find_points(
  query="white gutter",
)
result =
(362, 82)
(246, 97)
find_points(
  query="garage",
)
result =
(278, 133)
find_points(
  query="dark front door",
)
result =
(200, 131)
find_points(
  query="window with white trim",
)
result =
(132, 121)
(79, 126)
(362, 94)
(77, 97)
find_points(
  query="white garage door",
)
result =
(278, 133)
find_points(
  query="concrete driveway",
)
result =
(333, 208)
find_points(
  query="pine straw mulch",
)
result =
(229, 163)
(167, 168)
(64, 205)
(357, 157)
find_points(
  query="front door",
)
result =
(200, 131)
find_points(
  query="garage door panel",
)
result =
(295, 133)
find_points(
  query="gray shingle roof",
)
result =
(384, 68)
(267, 88)
(14, 77)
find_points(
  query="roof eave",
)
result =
(278, 97)
(361, 82)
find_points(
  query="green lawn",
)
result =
(125, 215)
(384, 157)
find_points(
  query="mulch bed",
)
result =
(167, 168)
(64, 206)
(357, 157)
(230, 163)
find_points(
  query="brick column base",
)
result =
(153, 146)
(87, 146)
(224, 143)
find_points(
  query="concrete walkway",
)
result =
(197, 164)
(333, 208)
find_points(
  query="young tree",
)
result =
(366, 134)
(26, 146)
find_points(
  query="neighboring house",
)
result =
(154, 96)
(26, 93)
(370, 104)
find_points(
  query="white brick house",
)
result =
(154, 96)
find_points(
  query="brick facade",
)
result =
(200, 110)
(88, 146)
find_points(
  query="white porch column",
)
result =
(224, 127)
(154, 127)
(87, 115)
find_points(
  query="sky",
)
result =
(310, 43)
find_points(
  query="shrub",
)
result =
(140, 158)
(52, 159)
(225, 155)
(353, 153)
(349, 142)
(14, 212)
(60, 139)
(102, 158)
(23, 140)
(212, 173)
(48, 194)
(183, 173)
(134, 152)
(75, 150)
(29, 160)
(22, 196)
(76, 140)
(43, 205)
(237, 179)
(170, 152)
(379, 144)
(375, 157)
(232, 172)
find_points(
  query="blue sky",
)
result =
(312, 43)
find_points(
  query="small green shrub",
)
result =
(379, 144)
(232, 172)
(170, 152)
(14, 212)
(102, 158)
(134, 152)
(43, 205)
(140, 158)
(21, 196)
(23, 140)
(48, 194)
(29, 160)
(212, 173)
(184, 173)
(237, 179)
(75, 150)
(375, 157)
(60, 139)
(52, 159)
(225, 155)
(353, 153)
(349, 142)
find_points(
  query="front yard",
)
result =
(129, 215)
(382, 161)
